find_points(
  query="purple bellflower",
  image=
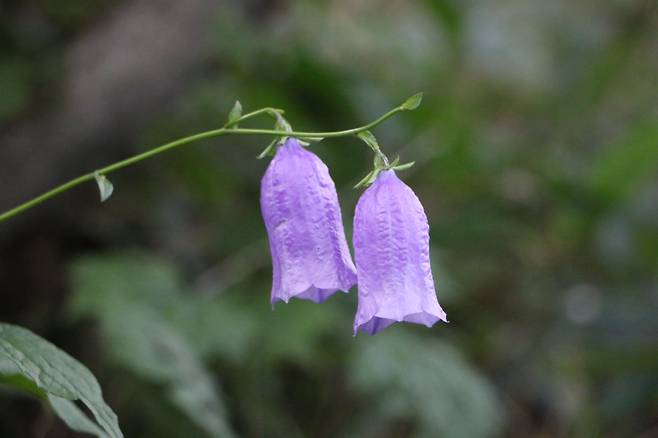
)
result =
(391, 247)
(310, 256)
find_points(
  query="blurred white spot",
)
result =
(582, 303)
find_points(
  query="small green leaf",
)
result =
(413, 102)
(105, 187)
(270, 150)
(404, 166)
(56, 373)
(235, 114)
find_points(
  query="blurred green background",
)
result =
(536, 152)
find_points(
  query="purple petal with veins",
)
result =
(391, 248)
(310, 256)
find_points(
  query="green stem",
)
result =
(344, 133)
(267, 110)
(227, 129)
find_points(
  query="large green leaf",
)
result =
(68, 411)
(74, 417)
(58, 374)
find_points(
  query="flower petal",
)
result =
(310, 256)
(391, 245)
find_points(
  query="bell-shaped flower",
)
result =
(310, 256)
(391, 248)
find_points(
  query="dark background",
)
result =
(537, 163)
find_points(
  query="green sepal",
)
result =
(306, 141)
(364, 181)
(404, 166)
(368, 179)
(378, 161)
(270, 150)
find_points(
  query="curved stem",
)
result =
(330, 134)
(227, 129)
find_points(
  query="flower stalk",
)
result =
(230, 128)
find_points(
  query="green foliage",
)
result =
(58, 374)
(535, 151)
(130, 296)
(160, 333)
(422, 379)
